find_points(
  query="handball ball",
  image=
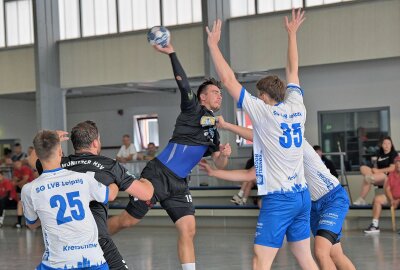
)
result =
(158, 35)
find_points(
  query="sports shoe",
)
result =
(360, 201)
(236, 199)
(372, 229)
(18, 226)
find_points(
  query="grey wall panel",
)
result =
(340, 33)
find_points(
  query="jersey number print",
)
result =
(73, 201)
(291, 135)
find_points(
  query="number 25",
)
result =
(291, 135)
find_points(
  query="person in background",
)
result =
(328, 163)
(391, 197)
(127, 152)
(151, 152)
(17, 153)
(377, 175)
(22, 175)
(8, 196)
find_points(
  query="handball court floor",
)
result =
(154, 248)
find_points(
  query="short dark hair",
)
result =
(317, 148)
(151, 143)
(83, 134)
(273, 86)
(17, 144)
(126, 136)
(205, 84)
(45, 143)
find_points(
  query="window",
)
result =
(181, 11)
(243, 120)
(242, 7)
(145, 130)
(138, 14)
(99, 17)
(69, 19)
(265, 6)
(19, 22)
(2, 33)
(310, 3)
(356, 132)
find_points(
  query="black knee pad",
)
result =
(330, 236)
(138, 209)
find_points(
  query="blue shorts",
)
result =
(283, 214)
(328, 212)
(104, 266)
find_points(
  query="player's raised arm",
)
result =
(292, 66)
(232, 175)
(224, 71)
(243, 132)
(187, 96)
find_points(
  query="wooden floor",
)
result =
(217, 249)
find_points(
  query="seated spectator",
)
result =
(22, 174)
(377, 176)
(328, 162)
(8, 197)
(17, 153)
(7, 157)
(391, 197)
(151, 152)
(127, 152)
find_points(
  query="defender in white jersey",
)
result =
(329, 206)
(278, 152)
(59, 201)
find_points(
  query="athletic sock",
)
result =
(375, 222)
(19, 220)
(189, 266)
(241, 193)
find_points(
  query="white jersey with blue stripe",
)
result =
(319, 179)
(60, 199)
(277, 141)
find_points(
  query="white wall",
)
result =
(18, 121)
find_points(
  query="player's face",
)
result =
(126, 141)
(387, 146)
(17, 165)
(213, 98)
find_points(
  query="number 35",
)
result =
(291, 135)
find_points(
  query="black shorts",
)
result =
(112, 255)
(170, 190)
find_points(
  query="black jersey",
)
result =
(385, 160)
(195, 125)
(106, 171)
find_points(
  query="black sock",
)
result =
(19, 220)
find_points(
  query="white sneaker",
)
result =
(372, 230)
(360, 201)
(236, 199)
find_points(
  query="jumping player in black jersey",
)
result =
(85, 138)
(195, 136)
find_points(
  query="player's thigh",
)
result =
(179, 205)
(299, 229)
(276, 215)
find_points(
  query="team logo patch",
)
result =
(206, 121)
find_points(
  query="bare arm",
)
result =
(243, 132)
(34, 225)
(233, 175)
(141, 189)
(224, 71)
(292, 67)
(220, 158)
(112, 192)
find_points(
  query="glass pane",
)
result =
(331, 1)
(169, 12)
(125, 15)
(184, 11)
(12, 23)
(265, 6)
(71, 19)
(242, 7)
(87, 11)
(24, 22)
(101, 17)
(61, 17)
(310, 3)
(112, 16)
(2, 33)
(297, 3)
(153, 13)
(283, 5)
(196, 9)
(139, 14)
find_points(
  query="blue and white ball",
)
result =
(158, 35)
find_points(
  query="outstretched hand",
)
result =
(221, 122)
(215, 34)
(204, 166)
(166, 50)
(297, 19)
